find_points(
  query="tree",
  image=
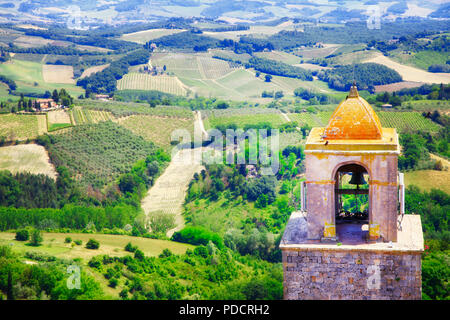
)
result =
(9, 288)
(222, 105)
(261, 202)
(123, 294)
(139, 255)
(55, 96)
(130, 248)
(268, 78)
(36, 238)
(113, 282)
(92, 244)
(128, 183)
(279, 95)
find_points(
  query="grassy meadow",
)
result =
(29, 78)
(113, 245)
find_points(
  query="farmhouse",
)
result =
(44, 104)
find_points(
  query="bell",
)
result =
(357, 178)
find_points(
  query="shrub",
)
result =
(22, 235)
(197, 236)
(130, 248)
(68, 240)
(123, 294)
(78, 242)
(36, 238)
(201, 251)
(92, 244)
(95, 262)
(166, 253)
(39, 256)
(113, 282)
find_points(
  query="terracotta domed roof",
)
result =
(354, 118)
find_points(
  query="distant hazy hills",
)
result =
(233, 11)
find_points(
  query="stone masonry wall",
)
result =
(351, 275)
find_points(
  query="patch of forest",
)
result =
(105, 81)
(366, 75)
(279, 68)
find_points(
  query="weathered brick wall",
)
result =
(351, 275)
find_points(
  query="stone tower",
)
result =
(352, 242)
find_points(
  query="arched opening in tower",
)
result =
(351, 203)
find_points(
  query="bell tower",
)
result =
(351, 234)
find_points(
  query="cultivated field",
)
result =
(182, 65)
(142, 37)
(156, 129)
(279, 56)
(210, 77)
(310, 66)
(352, 57)
(58, 119)
(228, 54)
(311, 119)
(310, 53)
(22, 127)
(81, 116)
(419, 59)
(58, 116)
(429, 105)
(429, 179)
(169, 191)
(29, 78)
(410, 73)
(242, 119)
(30, 158)
(112, 245)
(121, 109)
(397, 86)
(30, 41)
(255, 31)
(142, 81)
(404, 121)
(92, 70)
(97, 154)
(211, 68)
(57, 74)
(192, 66)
